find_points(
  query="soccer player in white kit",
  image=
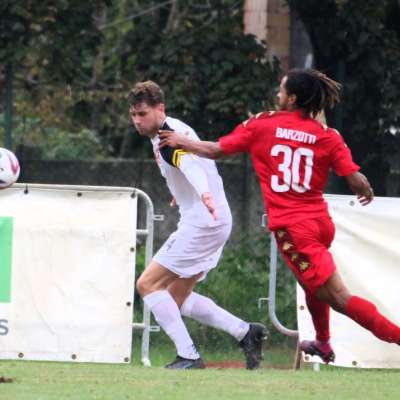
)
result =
(166, 285)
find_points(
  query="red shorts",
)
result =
(305, 248)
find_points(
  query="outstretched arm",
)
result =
(198, 179)
(201, 148)
(360, 186)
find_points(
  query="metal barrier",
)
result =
(148, 234)
(272, 291)
(273, 266)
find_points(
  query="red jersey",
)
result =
(292, 157)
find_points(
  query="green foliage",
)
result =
(74, 63)
(239, 280)
(358, 43)
(49, 40)
(61, 145)
(54, 144)
(213, 74)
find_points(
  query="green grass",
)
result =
(59, 381)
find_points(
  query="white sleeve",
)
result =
(194, 173)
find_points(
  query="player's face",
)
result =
(286, 101)
(283, 98)
(147, 119)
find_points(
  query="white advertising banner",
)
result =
(366, 250)
(67, 265)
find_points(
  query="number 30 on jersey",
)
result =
(290, 168)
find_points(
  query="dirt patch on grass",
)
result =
(3, 379)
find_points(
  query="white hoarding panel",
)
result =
(67, 265)
(366, 250)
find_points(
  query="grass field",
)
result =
(59, 381)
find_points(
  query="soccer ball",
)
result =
(9, 168)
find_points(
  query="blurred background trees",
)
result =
(76, 62)
(71, 64)
(358, 43)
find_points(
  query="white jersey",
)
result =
(177, 167)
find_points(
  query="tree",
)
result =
(48, 41)
(357, 42)
(49, 46)
(213, 74)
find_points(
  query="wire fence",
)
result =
(241, 186)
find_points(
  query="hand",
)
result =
(208, 201)
(169, 138)
(360, 186)
(172, 203)
(366, 197)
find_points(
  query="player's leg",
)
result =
(249, 335)
(152, 286)
(206, 311)
(321, 346)
(304, 247)
(319, 311)
(358, 309)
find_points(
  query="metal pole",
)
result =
(148, 256)
(272, 292)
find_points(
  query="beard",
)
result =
(149, 132)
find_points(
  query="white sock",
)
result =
(168, 316)
(205, 311)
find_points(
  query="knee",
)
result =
(143, 286)
(338, 300)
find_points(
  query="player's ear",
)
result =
(292, 98)
(161, 107)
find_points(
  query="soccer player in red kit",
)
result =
(292, 154)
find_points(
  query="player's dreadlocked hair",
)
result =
(314, 90)
(146, 92)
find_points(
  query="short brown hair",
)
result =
(147, 92)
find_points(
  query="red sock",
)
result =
(320, 315)
(367, 315)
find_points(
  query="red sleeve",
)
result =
(238, 141)
(341, 159)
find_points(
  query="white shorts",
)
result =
(191, 249)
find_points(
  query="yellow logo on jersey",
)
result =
(176, 158)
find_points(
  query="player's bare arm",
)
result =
(204, 149)
(360, 185)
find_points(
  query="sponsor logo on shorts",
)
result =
(300, 261)
(303, 265)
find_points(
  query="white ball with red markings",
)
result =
(9, 168)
